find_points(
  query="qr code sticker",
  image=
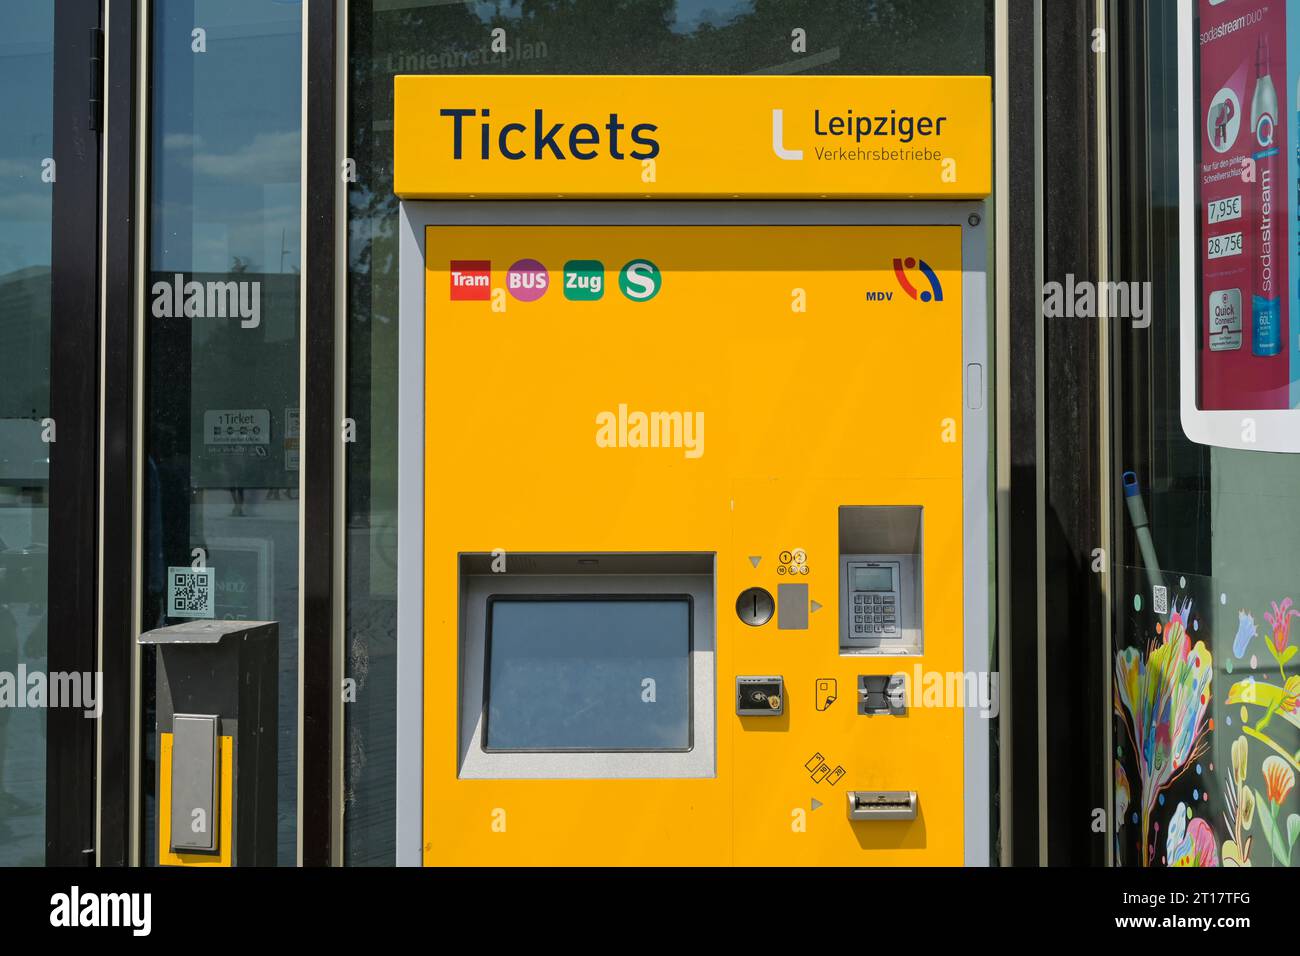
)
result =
(189, 592)
(1160, 598)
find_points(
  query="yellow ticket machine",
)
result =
(694, 494)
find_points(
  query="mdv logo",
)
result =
(778, 138)
(935, 293)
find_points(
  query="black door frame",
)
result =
(74, 463)
(118, 449)
(117, 567)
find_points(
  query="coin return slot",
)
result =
(882, 804)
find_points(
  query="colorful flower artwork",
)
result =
(1240, 812)
(1162, 697)
(1245, 633)
(1189, 840)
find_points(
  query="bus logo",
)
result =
(528, 280)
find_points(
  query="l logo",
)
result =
(778, 138)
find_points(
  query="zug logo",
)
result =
(900, 265)
(584, 140)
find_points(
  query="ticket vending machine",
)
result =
(694, 471)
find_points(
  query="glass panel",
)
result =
(27, 104)
(1204, 606)
(571, 675)
(389, 37)
(223, 349)
(1207, 724)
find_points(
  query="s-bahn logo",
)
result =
(933, 294)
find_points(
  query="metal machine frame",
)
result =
(416, 216)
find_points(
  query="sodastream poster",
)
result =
(1248, 184)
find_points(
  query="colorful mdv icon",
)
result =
(934, 293)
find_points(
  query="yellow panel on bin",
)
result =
(822, 381)
(168, 857)
(866, 137)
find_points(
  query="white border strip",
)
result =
(302, 401)
(338, 637)
(1274, 429)
(144, 59)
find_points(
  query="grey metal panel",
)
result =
(204, 632)
(792, 607)
(416, 216)
(976, 505)
(195, 810)
(410, 542)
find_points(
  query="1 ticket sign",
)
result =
(860, 137)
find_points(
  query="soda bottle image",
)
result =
(1266, 303)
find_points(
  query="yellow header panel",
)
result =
(810, 137)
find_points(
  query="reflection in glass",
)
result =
(26, 103)
(1206, 722)
(222, 334)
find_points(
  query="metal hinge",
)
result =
(96, 76)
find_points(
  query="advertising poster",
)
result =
(1248, 184)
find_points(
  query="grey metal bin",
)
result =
(215, 680)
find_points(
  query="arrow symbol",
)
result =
(816, 803)
(816, 607)
(754, 559)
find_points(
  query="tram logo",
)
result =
(471, 280)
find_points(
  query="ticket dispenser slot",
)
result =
(882, 805)
(880, 580)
